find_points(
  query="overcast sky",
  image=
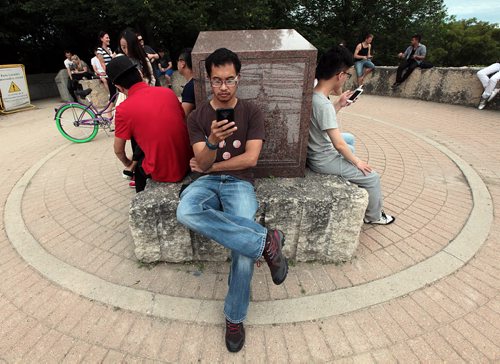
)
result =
(486, 10)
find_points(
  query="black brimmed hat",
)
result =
(118, 66)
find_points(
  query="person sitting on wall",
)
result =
(68, 63)
(331, 152)
(70, 66)
(81, 69)
(78, 71)
(412, 58)
(153, 116)
(363, 58)
(165, 67)
(99, 69)
(221, 204)
(489, 77)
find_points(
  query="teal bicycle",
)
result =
(79, 122)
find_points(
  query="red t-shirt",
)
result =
(155, 118)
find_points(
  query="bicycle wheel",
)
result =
(77, 123)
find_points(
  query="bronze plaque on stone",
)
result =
(277, 73)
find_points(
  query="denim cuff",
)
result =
(234, 321)
(261, 251)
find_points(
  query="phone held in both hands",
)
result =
(355, 95)
(225, 114)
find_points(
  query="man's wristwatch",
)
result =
(210, 145)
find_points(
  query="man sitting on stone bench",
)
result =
(221, 204)
(411, 59)
(327, 150)
(154, 117)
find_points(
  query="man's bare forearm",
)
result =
(123, 158)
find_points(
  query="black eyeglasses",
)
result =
(349, 75)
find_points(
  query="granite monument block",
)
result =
(277, 73)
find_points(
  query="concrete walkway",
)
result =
(426, 288)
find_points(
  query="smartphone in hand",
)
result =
(223, 114)
(355, 95)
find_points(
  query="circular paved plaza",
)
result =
(425, 288)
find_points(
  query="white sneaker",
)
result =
(384, 220)
(493, 94)
(482, 104)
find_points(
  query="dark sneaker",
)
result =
(395, 84)
(384, 220)
(274, 256)
(127, 174)
(235, 336)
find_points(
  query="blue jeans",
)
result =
(349, 139)
(364, 63)
(223, 209)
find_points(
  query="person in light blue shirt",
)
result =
(412, 58)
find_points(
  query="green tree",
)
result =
(467, 42)
(35, 32)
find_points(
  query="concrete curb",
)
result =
(451, 258)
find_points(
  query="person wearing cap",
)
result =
(153, 116)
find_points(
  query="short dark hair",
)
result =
(367, 35)
(334, 61)
(129, 78)
(417, 37)
(220, 57)
(186, 57)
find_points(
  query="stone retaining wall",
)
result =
(42, 86)
(458, 86)
(321, 216)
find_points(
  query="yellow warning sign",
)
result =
(14, 91)
(14, 88)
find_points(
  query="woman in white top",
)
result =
(99, 70)
(105, 55)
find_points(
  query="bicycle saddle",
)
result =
(83, 93)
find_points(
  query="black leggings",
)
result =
(74, 85)
(112, 88)
(140, 176)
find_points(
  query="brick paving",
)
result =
(76, 207)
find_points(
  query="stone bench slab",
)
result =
(320, 215)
